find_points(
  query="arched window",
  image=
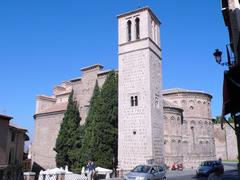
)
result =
(132, 101)
(136, 101)
(174, 147)
(129, 30)
(166, 146)
(185, 147)
(137, 20)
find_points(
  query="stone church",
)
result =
(155, 125)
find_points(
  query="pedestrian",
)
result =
(83, 170)
(220, 160)
(216, 175)
(91, 169)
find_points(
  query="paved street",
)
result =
(230, 173)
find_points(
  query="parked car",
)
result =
(146, 172)
(207, 167)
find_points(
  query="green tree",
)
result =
(105, 125)
(69, 137)
(87, 149)
(217, 120)
(100, 131)
(230, 120)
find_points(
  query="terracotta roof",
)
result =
(5, 117)
(167, 103)
(103, 72)
(180, 90)
(16, 126)
(92, 67)
(75, 79)
(49, 98)
(54, 108)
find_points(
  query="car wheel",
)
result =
(164, 178)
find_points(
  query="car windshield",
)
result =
(141, 169)
(206, 163)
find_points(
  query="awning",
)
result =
(231, 91)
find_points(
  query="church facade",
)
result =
(166, 125)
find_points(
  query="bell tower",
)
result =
(140, 127)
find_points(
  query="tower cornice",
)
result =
(140, 10)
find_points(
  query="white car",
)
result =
(146, 172)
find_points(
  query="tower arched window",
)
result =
(137, 21)
(134, 100)
(129, 30)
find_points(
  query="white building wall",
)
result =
(140, 127)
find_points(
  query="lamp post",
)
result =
(231, 95)
(218, 56)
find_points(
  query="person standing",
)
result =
(90, 168)
(216, 175)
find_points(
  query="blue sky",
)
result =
(45, 42)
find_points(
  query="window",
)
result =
(10, 157)
(13, 137)
(137, 20)
(129, 31)
(154, 169)
(160, 168)
(157, 103)
(134, 100)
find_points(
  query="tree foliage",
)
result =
(100, 137)
(69, 138)
(87, 150)
(217, 120)
(97, 139)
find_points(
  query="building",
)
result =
(140, 112)
(11, 148)
(189, 130)
(231, 105)
(231, 16)
(50, 112)
(168, 126)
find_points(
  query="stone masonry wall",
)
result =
(46, 132)
(197, 133)
(226, 142)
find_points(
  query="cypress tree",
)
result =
(69, 136)
(87, 149)
(105, 124)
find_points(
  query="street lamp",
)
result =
(218, 56)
